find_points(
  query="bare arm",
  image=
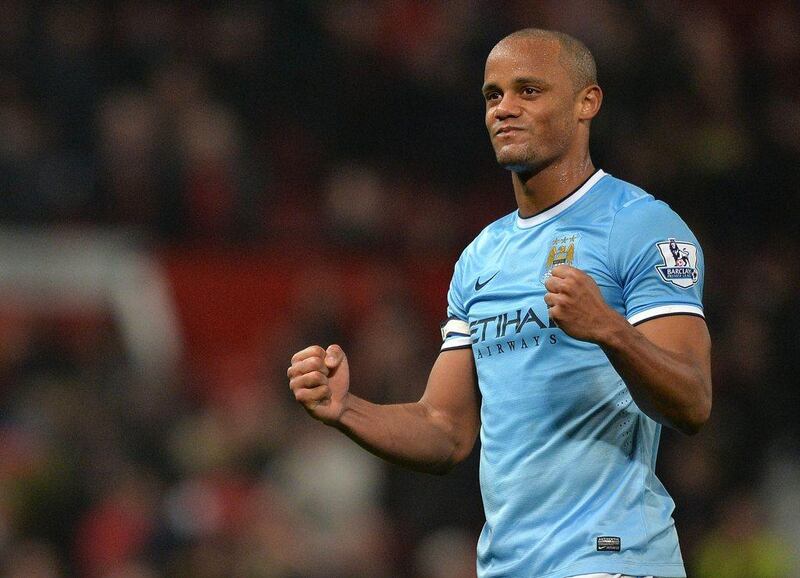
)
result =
(430, 435)
(665, 362)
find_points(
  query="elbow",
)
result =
(439, 468)
(696, 417)
(460, 453)
(454, 442)
(461, 450)
(690, 427)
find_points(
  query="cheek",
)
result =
(557, 126)
(488, 119)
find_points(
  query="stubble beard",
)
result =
(519, 161)
(526, 158)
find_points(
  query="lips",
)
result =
(506, 130)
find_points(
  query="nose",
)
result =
(506, 108)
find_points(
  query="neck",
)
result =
(536, 191)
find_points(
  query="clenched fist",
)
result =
(577, 306)
(320, 380)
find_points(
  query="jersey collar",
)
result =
(561, 205)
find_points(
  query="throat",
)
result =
(538, 192)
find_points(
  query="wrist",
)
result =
(340, 421)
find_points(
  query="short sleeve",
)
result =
(657, 262)
(455, 329)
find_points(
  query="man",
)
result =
(584, 340)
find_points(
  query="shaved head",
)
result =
(573, 56)
(541, 94)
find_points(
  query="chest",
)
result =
(507, 281)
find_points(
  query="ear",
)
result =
(589, 101)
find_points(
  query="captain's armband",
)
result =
(455, 334)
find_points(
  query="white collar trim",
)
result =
(562, 205)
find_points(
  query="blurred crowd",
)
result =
(355, 128)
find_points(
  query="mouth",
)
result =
(506, 130)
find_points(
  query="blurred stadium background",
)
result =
(191, 193)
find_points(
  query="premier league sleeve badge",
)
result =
(680, 263)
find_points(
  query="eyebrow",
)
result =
(518, 81)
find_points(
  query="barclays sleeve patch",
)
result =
(680, 263)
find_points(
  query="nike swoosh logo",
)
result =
(479, 285)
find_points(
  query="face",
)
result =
(531, 104)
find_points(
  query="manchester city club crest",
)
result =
(680, 263)
(561, 252)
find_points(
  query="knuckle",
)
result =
(320, 393)
(307, 394)
(307, 352)
(318, 377)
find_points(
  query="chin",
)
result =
(517, 168)
(518, 165)
(518, 161)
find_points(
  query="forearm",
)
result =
(665, 384)
(412, 435)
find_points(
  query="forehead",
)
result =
(517, 57)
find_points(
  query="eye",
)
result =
(490, 96)
(530, 90)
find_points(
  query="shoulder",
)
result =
(623, 195)
(612, 198)
(642, 228)
(635, 208)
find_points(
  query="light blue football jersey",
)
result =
(567, 458)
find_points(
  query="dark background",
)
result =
(189, 194)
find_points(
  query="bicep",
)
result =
(452, 393)
(684, 335)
